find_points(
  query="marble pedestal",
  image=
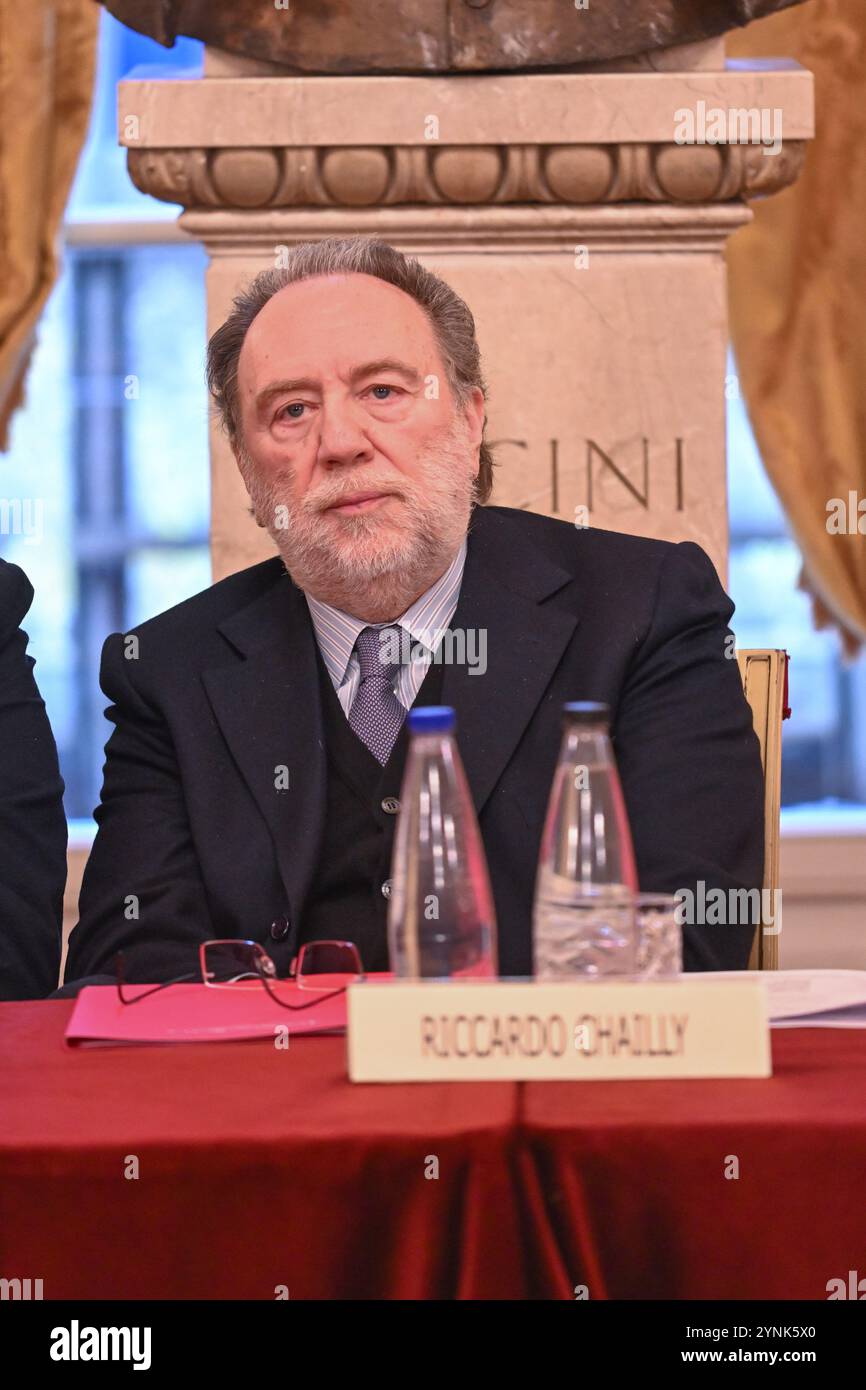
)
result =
(572, 211)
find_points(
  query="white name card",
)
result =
(525, 1030)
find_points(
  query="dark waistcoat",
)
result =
(346, 900)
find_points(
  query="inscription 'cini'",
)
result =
(599, 465)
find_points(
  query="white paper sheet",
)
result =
(811, 998)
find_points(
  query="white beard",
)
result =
(372, 565)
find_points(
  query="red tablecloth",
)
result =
(260, 1168)
(632, 1192)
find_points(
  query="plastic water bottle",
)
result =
(441, 919)
(584, 921)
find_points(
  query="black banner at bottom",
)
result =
(245, 1339)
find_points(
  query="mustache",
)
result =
(334, 493)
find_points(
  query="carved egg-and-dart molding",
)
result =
(483, 175)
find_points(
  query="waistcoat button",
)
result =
(280, 928)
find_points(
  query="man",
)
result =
(32, 823)
(254, 770)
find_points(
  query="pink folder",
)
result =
(197, 1013)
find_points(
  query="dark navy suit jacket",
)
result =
(32, 823)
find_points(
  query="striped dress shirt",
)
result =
(423, 625)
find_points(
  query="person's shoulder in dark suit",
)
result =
(152, 676)
(654, 642)
(584, 550)
(624, 576)
(32, 821)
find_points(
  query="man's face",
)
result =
(357, 457)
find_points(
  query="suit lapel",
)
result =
(505, 584)
(268, 709)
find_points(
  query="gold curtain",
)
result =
(47, 64)
(797, 278)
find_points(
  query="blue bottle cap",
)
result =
(592, 711)
(431, 719)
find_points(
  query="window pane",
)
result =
(166, 420)
(102, 187)
(104, 494)
(155, 578)
(823, 754)
(106, 483)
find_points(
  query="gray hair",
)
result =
(450, 318)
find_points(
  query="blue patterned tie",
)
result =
(376, 714)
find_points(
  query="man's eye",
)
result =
(294, 410)
(389, 390)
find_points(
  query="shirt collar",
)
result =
(337, 632)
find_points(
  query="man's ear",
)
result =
(475, 416)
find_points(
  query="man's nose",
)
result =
(342, 438)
